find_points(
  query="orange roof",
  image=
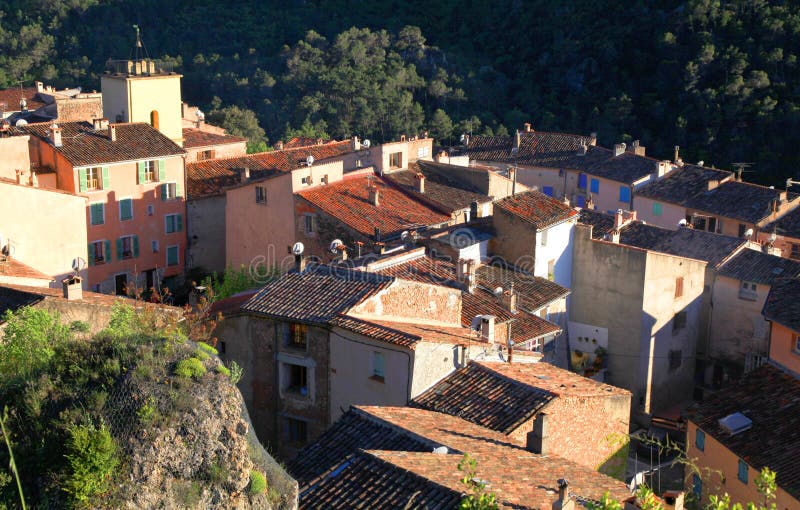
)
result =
(304, 141)
(193, 138)
(348, 202)
(553, 379)
(15, 268)
(12, 96)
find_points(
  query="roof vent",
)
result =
(735, 423)
(443, 450)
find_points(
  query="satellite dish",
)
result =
(366, 143)
(476, 323)
(404, 235)
(701, 163)
(498, 291)
(462, 137)
(78, 264)
(683, 223)
(310, 160)
(773, 237)
(298, 248)
(748, 233)
(21, 122)
(200, 115)
(335, 245)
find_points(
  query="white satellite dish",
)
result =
(298, 248)
(200, 114)
(335, 245)
(78, 264)
(310, 160)
(748, 233)
(683, 223)
(701, 163)
(773, 237)
(476, 322)
(21, 122)
(404, 235)
(462, 137)
(366, 143)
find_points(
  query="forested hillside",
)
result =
(720, 79)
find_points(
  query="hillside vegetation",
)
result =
(720, 79)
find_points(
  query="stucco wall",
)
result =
(136, 97)
(229, 150)
(607, 199)
(737, 326)
(425, 303)
(206, 233)
(432, 362)
(557, 249)
(782, 347)
(15, 156)
(515, 239)
(670, 216)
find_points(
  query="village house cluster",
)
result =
(528, 300)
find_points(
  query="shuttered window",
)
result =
(657, 209)
(173, 223)
(125, 209)
(97, 214)
(624, 194)
(173, 255)
(595, 186)
(678, 287)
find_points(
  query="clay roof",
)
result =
(212, 176)
(14, 268)
(601, 223)
(536, 208)
(444, 191)
(738, 200)
(404, 333)
(518, 477)
(626, 168)
(783, 303)
(537, 148)
(12, 96)
(770, 398)
(317, 295)
(758, 267)
(193, 138)
(348, 202)
(82, 145)
(534, 292)
(304, 141)
(678, 186)
(787, 225)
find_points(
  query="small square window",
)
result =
(150, 171)
(679, 321)
(748, 291)
(169, 191)
(295, 335)
(396, 160)
(700, 440)
(154, 246)
(296, 431)
(678, 287)
(743, 471)
(261, 195)
(377, 366)
(657, 209)
(204, 155)
(298, 379)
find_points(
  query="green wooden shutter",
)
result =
(125, 209)
(95, 214)
(140, 167)
(179, 222)
(119, 248)
(107, 254)
(163, 192)
(177, 189)
(106, 180)
(135, 246)
(91, 254)
(162, 171)
(82, 179)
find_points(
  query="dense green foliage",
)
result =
(258, 484)
(717, 78)
(190, 367)
(92, 457)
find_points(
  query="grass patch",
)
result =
(222, 369)
(258, 484)
(190, 368)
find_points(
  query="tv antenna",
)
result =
(139, 49)
(78, 265)
(741, 168)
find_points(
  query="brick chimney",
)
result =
(465, 273)
(112, 132)
(619, 149)
(279, 145)
(673, 500)
(55, 135)
(510, 298)
(244, 174)
(420, 182)
(374, 195)
(487, 328)
(356, 144)
(527, 127)
(564, 501)
(538, 440)
(72, 288)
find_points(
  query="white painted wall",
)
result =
(558, 247)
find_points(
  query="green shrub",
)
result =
(123, 320)
(222, 369)
(92, 457)
(201, 355)
(30, 340)
(236, 372)
(190, 367)
(148, 412)
(258, 484)
(207, 348)
(79, 327)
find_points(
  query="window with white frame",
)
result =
(150, 171)
(748, 291)
(173, 223)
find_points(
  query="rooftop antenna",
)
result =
(139, 49)
(740, 168)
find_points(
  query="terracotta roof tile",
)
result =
(755, 266)
(771, 400)
(443, 190)
(13, 267)
(534, 292)
(304, 141)
(537, 148)
(678, 186)
(12, 96)
(536, 208)
(193, 138)
(738, 200)
(787, 225)
(348, 202)
(626, 168)
(212, 176)
(783, 303)
(83, 146)
(376, 331)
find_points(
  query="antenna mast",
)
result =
(139, 50)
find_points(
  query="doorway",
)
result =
(121, 284)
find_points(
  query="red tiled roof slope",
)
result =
(12, 96)
(536, 208)
(193, 138)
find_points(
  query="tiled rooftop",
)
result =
(678, 186)
(626, 168)
(536, 208)
(601, 223)
(444, 191)
(537, 148)
(348, 202)
(14, 268)
(741, 201)
(317, 295)
(771, 400)
(534, 292)
(12, 96)
(212, 176)
(755, 266)
(783, 303)
(787, 225)
(82, 145)
(193, 138)
(304, 141)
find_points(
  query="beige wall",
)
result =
(670, 216)
(14, 155)
(135, 97)
(515, 238)
(783, 243)
(608, 197)
(206, 233)
(737, 326)
(717, 463)
(427, 304)
(409, 150)
(783, 347)
(229, 150)
(540, 177)
(47, 229)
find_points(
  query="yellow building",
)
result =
(144, 90)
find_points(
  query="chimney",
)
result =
(39, 87)
(517, 140)
(466, 139)
(673, 500)
(342, 251)
(33, 179)
(380, 248)
(619, 149)
(19, 176)
(637, 149)
(527, 127)
(676, 156)
(402, 138)
(244, 174)
(377, 234)
(538, 438)
(510, 299)
(112, 132)
(72, 288)
(564, 501)
(487, 328)
(420, 182)
(279, 145)
(465, 273)
(356, 144)
(593, 139)
(374, 195)
(319, 141)
(623, 218)
(55, 135)
(583, 150)
(99, 124)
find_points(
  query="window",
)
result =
(742, 475)
(396, 160)
(169, 191)
(624, 194)
(151, 210)
(377, 366)
(307, 180)
(699, 222)
(742, 229)
(712, 224)
(697, 486)
(794, 251)
(173, 223)
(127, 247)
(657, 209)
(90, 179)
(97, 213)
(309, 225)
(296, 431)
(204, 155)
(797, 343)
(547, 190)
(748, 291)
(261, 195)
(173, 255)
(700, 440)
(99, 252)
(675, 358)
(582, 181)
(595, 186)
(422, 151)
(678, 287)
(324, 179)
(125, 209)
(295, 335)
(298, 379)
(154, 246)
(148, 171)
(679, 321)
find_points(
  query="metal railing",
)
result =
(143, 67)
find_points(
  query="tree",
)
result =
(441, 126)
(476, 497)
(240, 122)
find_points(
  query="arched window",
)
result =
(154, 118)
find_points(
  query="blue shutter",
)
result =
(742, 471)
(657, 208)
(163, 192)
(595, 186)
(125, 209)
(96, 214)
(581, 200)
(582, 181)
(697, 486)
(700, 440)
(548, 190)
(624, 194)
(177, 189)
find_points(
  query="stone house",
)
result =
(201, 145)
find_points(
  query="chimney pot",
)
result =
(593, 138)
(527, 127)
(674, 500)
(487, 328)
(676, 156)
(374, 196)
(510, 299)
(356, 144)
(538, 438)
(619, 149)
(564, 501)
(466, 274)
(39, 87)
(420, 181)
(402, 138)
(300, 263)
(517, 140)
(279, 145)
(55, 135)
(380, 248)
(112, 132)
(71, 287)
